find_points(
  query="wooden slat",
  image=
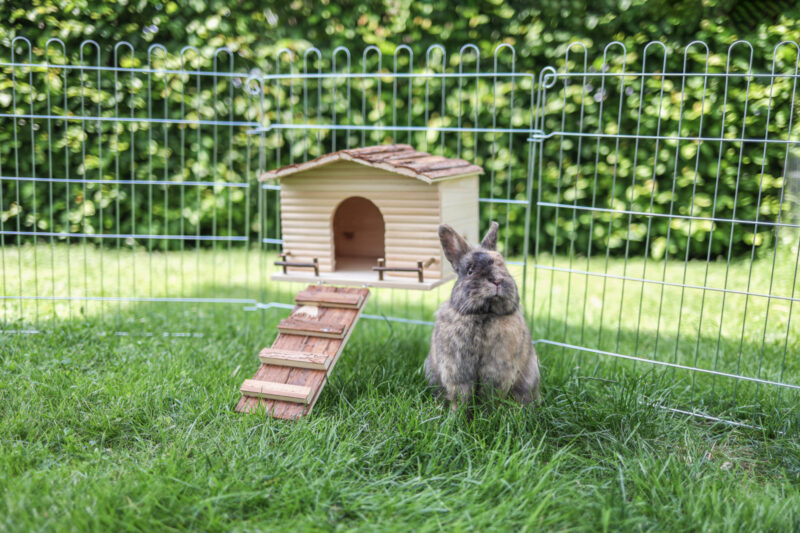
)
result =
(406, 156)
(381, 149)
(294, 359)
(408, 281)
(277, 391)
(312, 328)
(329, 299)
(306, 202)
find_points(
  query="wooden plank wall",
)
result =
(409, 206)
(460, 208)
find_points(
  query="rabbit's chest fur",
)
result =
(481, 348)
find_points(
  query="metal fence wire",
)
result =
(647, 199)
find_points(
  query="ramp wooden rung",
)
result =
(276, 391)
(315, 328)
(294, 359)
(309, 343)
(329, 299)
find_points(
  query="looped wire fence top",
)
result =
(647, 198)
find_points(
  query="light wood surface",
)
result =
(355, 206)
(292, 358)
(276, 391)
(460, 210)
(303, 326)
(410, 210)
(329, 299)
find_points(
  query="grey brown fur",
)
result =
(480, 336)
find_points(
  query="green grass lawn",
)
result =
(137, 431)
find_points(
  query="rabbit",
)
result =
(480, 335)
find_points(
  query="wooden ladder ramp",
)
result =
(295, 368)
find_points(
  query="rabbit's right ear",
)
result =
(490, 240)
(453, 244)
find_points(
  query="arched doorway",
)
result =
(358, 234)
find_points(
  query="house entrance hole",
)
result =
(358, 234)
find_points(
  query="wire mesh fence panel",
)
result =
(666, 242)
(126, 179)
(646, 198)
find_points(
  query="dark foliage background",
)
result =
(722, 181)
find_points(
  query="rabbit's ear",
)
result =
(489, 241)
(453, 244)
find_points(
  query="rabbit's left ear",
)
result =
(489, 241)
(453, 244)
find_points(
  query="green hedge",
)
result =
(592, 172)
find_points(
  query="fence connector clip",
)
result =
(538, 136)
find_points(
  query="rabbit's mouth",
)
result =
(501, 288)
(497, 293)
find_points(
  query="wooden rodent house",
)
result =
(369, 216)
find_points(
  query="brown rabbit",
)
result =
(480, 335)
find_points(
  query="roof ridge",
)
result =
(378, 149)
(403, 159)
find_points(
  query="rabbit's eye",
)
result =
(470, 270)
